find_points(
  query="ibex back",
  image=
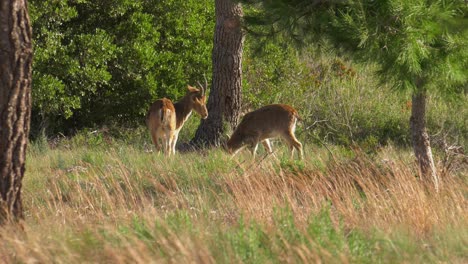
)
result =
(165, 119)
(276, 120)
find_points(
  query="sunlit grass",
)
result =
(120, 203)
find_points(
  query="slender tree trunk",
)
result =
(15, 104)
(224, 103)
(420, 138)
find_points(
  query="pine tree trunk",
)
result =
(224, 103)
(15, 104)
(420, 138)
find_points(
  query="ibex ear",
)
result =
(191, 89)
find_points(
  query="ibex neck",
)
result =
(183, 111)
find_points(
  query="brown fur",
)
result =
(165, 119)
(276, 120)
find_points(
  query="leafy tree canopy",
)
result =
(419, 44)
(101, 61)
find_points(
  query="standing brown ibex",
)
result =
(165, 119)
(276, 120)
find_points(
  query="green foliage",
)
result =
(343, 101)
(336, 99)
(416, 43)
(99, 62)
(273, 73)
(248, 242)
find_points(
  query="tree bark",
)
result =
(15, 104)
(224, 103)
(420, 138)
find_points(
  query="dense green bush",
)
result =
(101, 63)
(104, 61)
(340, 101)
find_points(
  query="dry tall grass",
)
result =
(124, 206)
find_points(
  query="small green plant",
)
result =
(294, 166)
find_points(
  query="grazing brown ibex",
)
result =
(165, 119)
(276, 120)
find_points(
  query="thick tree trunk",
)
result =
(224, 103)
(420, 138)
(15, 104)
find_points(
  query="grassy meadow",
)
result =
(96, 199)
(101, 194)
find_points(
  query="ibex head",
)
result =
(235, 142)
(198, 100)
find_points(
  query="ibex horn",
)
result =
(201, 88)
(206, 84)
